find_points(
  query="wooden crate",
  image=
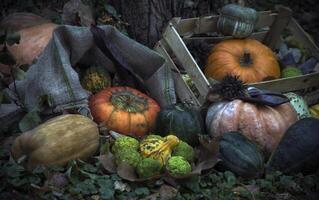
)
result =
(268, 30)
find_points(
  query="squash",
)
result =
(262, 124)
(298, 151)
(95, 79)
(240, 155)
(124, 110)
(179, 120)
(248, 59)
(32, 43)
(57, 141)
(237, 20)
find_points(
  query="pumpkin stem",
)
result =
(246, 60)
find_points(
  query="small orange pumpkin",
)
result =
(125, 110)
(247, 58)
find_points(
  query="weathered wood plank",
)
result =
(280, 23)
(182, 90)
(257, 35)
(180, 50)
(290, 84)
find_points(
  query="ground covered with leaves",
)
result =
(89, 180)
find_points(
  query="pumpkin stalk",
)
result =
(246, 60)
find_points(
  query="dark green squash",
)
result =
(298, 150)
(237, 20)
(182, 121)
(240, 155)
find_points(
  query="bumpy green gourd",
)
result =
(96, 78)
(290, 72)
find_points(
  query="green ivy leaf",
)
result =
(18, 73)
(192, 184)
(12, 37)
(85, 187)
(142, 191)
(29, 121)
(106, 192)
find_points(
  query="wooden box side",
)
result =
(187, 28)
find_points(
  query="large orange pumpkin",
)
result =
(125, 110)
(260, 123)
(247, 58)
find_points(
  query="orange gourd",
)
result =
(248, 59)
(124, 110)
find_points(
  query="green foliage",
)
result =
(86, 180)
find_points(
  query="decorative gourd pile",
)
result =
(154, 154)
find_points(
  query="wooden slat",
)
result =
(290, 84)
(265, 19)
(179, 48)
(182, 90)
(303, 38)
(272, 38)
(258, 36)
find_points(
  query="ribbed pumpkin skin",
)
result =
(262, 124)
(180, 121)
(124, 110)
(236, 20)
(240, 155)
(58, 141)
(298, 151)
(225, 58)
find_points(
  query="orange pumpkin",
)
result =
(125, 110)
(260, 123)
(247, 58)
